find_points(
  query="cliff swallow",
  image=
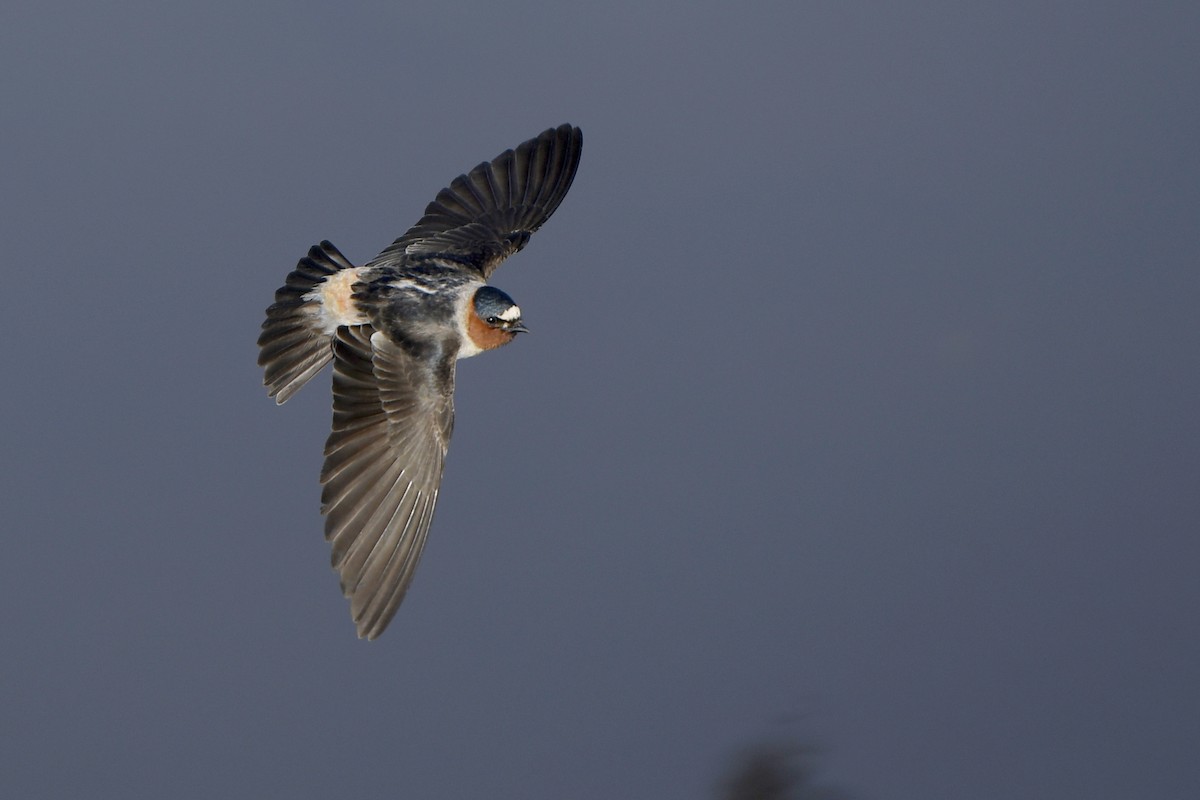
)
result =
(394, 329)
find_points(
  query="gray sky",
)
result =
(863, 389)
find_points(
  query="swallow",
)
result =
(394, 329)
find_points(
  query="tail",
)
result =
(295, 344)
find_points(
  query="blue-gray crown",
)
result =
(493, 305)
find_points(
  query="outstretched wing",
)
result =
(392, 419)
(488, 214)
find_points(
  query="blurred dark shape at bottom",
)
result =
(773, 771)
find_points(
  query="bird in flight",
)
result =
(394, 329)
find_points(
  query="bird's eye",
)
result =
(493, 320)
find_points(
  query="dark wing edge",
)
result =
(383, 466)
(488, 214)
(292, 347)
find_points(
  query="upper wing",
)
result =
(392, 419)
(488, 214)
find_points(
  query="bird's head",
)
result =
(493, 319)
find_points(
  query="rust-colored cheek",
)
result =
(485, 336)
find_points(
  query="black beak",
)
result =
(518, 327)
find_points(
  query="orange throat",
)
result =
(484, 336)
